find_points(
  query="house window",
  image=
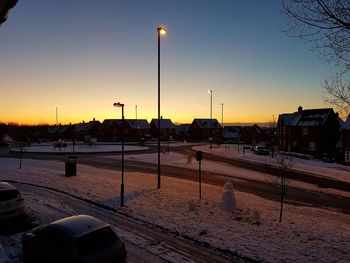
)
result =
(347, 155)
(312, 146)
(304, 131)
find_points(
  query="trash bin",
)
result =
(71, 166)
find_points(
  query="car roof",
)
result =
(6, 186)
(79, 224)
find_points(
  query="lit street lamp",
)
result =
(211, 117)
(161, 31)
(120, 105)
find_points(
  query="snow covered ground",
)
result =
(332, 170)
(189, 162)
(80, 148)
(305, 235)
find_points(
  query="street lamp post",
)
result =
(160, 31)
(222, 115)
(211, 117)
(120, 105)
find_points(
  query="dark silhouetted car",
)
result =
(260, 150)
(78, 239)
(11, 203)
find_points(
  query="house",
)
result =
(182, 131)
(346, 140)
(312, 131)
(167, 129)
(63, 132)
(203, 129)
(253, 135)
(110, 130)
(232, 133)
(85, 131)
(137, 130)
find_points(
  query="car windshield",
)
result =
(96, 240)
(8, 195)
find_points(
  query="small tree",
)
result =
(280, 180)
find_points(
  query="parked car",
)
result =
(59, 144)
(260, 150)
(11, 203)
(80, 238)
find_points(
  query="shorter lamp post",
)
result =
(120, 105)
(211, 118)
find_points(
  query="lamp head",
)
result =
(118, 104)
(162, 30)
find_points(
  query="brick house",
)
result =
(110, 130)
(64, 132)
(85, 131)
(346, 141)
(312, 131)
(253, 134)
(167, 129)
(203, 129)
(136, 130)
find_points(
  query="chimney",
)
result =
(300, 109)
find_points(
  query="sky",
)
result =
(82, 56)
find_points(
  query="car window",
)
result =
(55, 239)
(9, 194)
(96, 240)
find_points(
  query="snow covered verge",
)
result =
(331, 170)
(305, 235)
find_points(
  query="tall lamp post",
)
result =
(211, 117)
(222, 115)
(121, 105)
(160, 31)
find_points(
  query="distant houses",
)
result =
(314, 132)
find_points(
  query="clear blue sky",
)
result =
(81, 56)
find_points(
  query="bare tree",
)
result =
(325, 25)
(280, 180)
(338, 93)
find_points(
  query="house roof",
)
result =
(206, 123)
(84, 127)
(164, 123)
(58, 129)
(109, 123)
(305, 118)
(182, 128)
(137, 124)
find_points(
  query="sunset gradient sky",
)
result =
(82, 56)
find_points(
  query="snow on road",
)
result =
(306, 234)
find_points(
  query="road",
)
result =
(144, 242)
